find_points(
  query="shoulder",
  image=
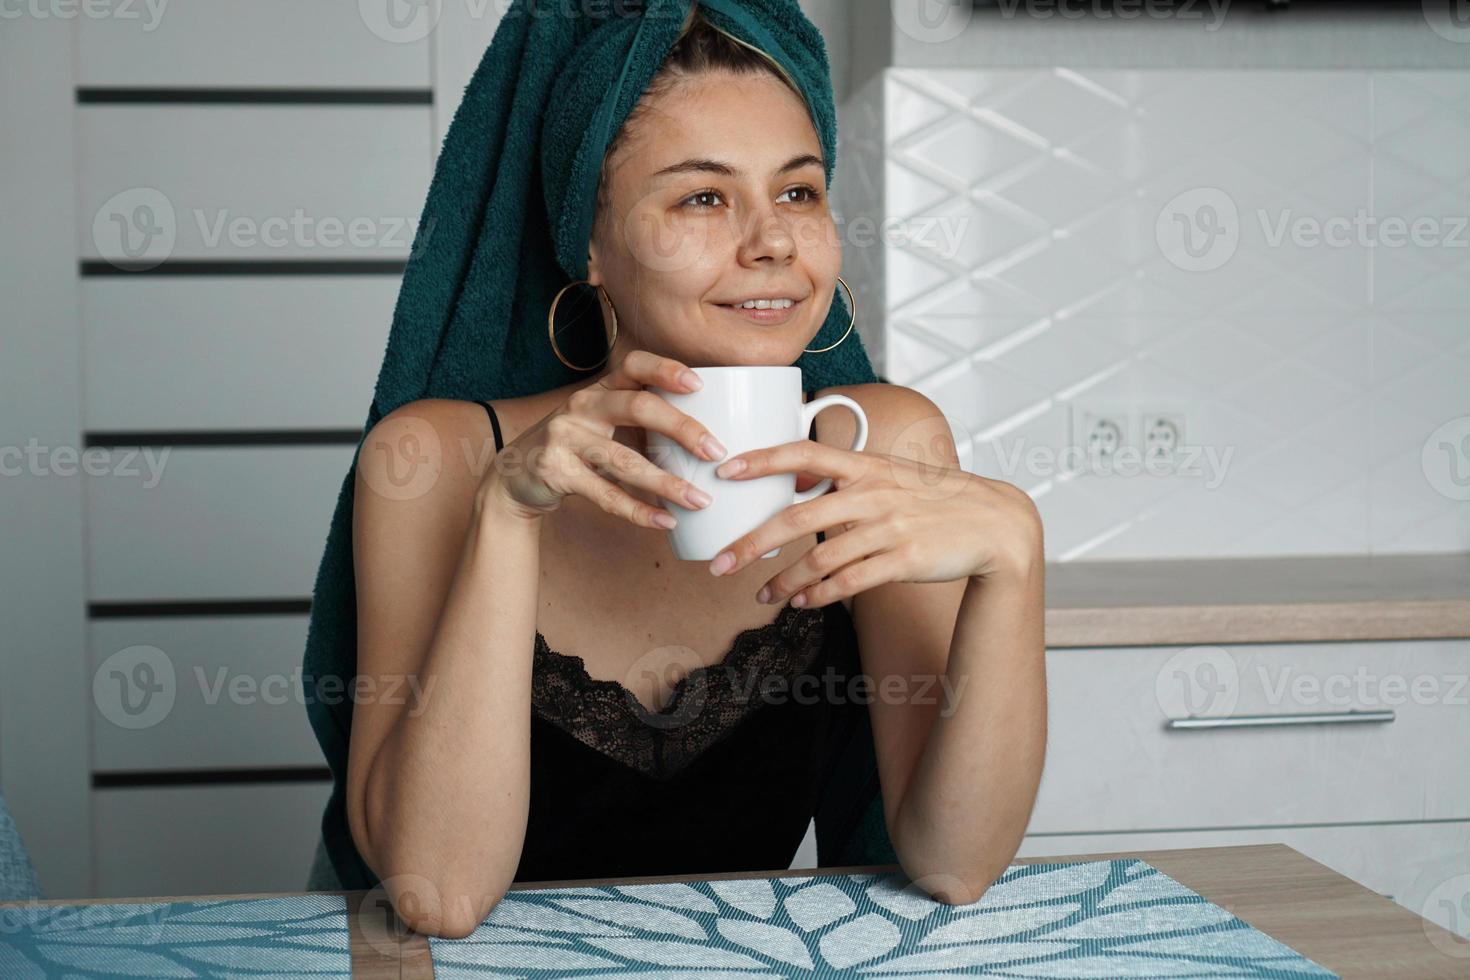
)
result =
(427, 449)
(901, 421)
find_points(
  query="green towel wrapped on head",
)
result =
(505, 226)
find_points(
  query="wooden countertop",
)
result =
(1257, 600)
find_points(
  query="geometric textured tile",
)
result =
(1316, 373)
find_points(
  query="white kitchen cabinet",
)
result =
(1385, 802)
(1114, 764)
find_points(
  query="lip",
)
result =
(764, 316)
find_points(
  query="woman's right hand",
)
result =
(568, 450)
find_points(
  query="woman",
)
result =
(531, 606)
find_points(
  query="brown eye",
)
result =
(702, 194)
(811, 194)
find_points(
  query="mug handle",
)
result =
(809, 412)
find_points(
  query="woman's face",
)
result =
(716, 197)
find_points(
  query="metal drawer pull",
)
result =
(1255, 721)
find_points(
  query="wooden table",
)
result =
(1323, 915)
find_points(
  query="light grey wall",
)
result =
(43, 719)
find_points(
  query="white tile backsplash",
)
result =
(1044, 264)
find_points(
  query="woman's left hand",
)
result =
(903, 521)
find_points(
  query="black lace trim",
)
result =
(703, 706)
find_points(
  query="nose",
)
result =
(768, 239)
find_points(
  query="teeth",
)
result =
(766, 304)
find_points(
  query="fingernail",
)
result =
(691, 380)
(712, 447)
(665, 520)
(799, 600)
(698, 497)
(722, 563)
(731, 468)
(764, 595)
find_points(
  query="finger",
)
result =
(619, 502)
(656, 414)
(852, 579)
(804, 455)
(825, 559)
(791, 523)
(612, 458)
(641, 367)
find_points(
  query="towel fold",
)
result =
(505, 226)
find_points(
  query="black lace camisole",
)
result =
(726, 776)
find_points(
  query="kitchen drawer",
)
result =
(1113, 765)
(206, 840)
(1425, 867)
(232, 693)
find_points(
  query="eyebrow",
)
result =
(703, 165)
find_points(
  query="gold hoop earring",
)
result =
(551, 321)
(852, 305)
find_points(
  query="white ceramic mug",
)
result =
(746, 407)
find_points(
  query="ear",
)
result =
(594, 263)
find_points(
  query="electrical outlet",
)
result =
(1099, 432)
(1161, 434)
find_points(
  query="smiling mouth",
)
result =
(770, 314)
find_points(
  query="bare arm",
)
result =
(439, 764)
(448, 564)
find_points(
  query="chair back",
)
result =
(17, 875)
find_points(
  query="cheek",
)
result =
(661, 244)
(817, 240)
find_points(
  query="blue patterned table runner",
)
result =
(286, 937)
(1106, 919)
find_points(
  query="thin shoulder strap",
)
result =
(811, 433)
(494, 424)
